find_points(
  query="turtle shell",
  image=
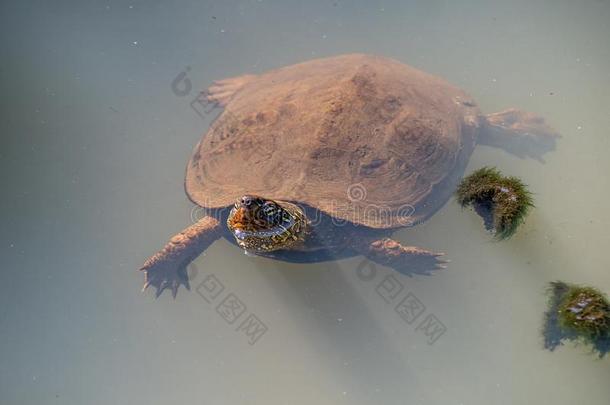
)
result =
(362, 138)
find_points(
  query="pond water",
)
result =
(94, 145)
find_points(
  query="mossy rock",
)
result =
(503, 202)
(585, 311)
(578, 314)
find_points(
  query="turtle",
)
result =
(325, 159)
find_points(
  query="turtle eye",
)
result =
(247, 201)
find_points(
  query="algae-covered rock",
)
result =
(502, 202)
(578, 314)
(585, 311)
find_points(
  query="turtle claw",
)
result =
(442, 261)
(167, 268)
(222, 91)
(162, 276)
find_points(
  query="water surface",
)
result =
(94, 145)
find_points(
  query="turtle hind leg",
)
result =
(167, 268)
(222, 91)
(407, 260)
(521, 133)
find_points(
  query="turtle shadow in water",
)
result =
(344, 327)
(554, 335)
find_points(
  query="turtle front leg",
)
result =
(167, 268)
(404, 259)
(521, 133)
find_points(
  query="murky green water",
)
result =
(94, 145)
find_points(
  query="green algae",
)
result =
(586, 312)
(503, 202)
(579, 314)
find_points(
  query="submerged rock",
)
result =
(502, 202)
(579, 314)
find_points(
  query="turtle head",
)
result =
(259, 224)
(254, 213)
